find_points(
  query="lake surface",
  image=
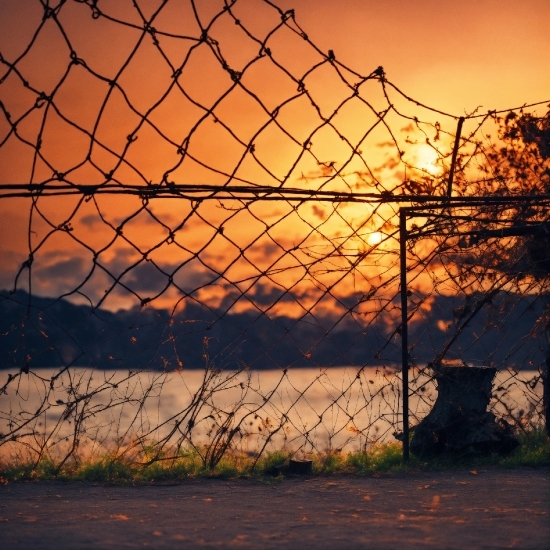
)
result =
(302, 409)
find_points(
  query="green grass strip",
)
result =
(534, 451)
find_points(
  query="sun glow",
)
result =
(427, 159)
(375, 238)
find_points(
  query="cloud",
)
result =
(61, 277)
(54, 274)
(71, 269)
(265, 295)
(265, 250)
(319, 212)
(91, 220)
(146, 277)
(10, 263)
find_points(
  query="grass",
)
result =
(383, 458)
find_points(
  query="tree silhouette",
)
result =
(515, 252)
(502, 244)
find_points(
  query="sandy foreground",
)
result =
(488, 509)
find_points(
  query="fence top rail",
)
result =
(459, 202)
(205, 192)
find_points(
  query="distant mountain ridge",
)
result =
(58, 332)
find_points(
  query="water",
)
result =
(302, 409)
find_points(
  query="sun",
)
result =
(426, 159)
(375, 238)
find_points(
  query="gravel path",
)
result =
(487, 509)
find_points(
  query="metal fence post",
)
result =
(453, 160)
(404, 327)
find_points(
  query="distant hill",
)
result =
(58, 332)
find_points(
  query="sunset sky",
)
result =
(147, 120)
(452, 55)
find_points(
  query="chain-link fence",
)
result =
(200, 218)
(477, 298)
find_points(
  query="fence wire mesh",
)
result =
(201, 237)
(478, 297)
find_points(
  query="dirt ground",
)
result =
(487, 509)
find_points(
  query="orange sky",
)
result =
(452, 56)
